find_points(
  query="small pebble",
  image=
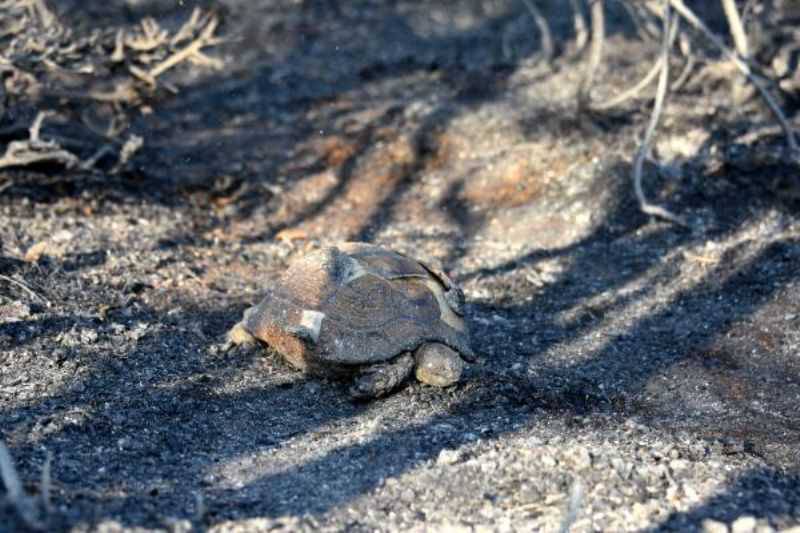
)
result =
(448, 457)
(548, 461)
(744, 524)
(713, 526)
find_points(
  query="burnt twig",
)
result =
(35, 150)
(44, 62)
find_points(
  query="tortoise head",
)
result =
(454, 297)
(453, 294)
(449, 295)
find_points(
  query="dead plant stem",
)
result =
(658, 108)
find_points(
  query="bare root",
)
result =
(595, 54)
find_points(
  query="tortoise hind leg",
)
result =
(381, 379)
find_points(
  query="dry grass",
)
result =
(51, 70)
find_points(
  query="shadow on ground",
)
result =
(160, 418)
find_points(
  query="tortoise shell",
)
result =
(357, 304)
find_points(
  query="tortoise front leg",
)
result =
(381, 379)
(438, 365)
(238, 336)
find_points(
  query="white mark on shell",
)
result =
(447, 314)
(312, 322)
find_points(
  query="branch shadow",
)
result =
(751, 494)
(164, 425)
(613, 379)
(255, 114)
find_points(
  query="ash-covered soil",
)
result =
(648, 373)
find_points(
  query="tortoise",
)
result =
(359, 311)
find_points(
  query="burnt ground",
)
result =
(654, 369)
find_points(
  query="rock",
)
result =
(548, 461)
(177, 525)
(283, 523)
(312, 387)
(713, 526)
(62, 236)
(448, 457)
(36, 251)
(14, 312)
(55, 245)
(581, 458)
(457, 528)
(88, 336)
(109, 526)
(678, 465)
(744, 524)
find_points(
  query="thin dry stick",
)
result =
(633, 91)
(185, 31)
(25, 288)
(46, 483)
(199, 506)
(595, 55)
(544, 30)
(658, 107)
(9, 475)
(118, 55)
(745, 69)
(24, 505)
(36, 127)
(579, 23)
(639, 87)
(686, 49)
(642, 19)
(736, 27)
(98, 155)
(206, 38)
(40, 9)
(749, 6)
